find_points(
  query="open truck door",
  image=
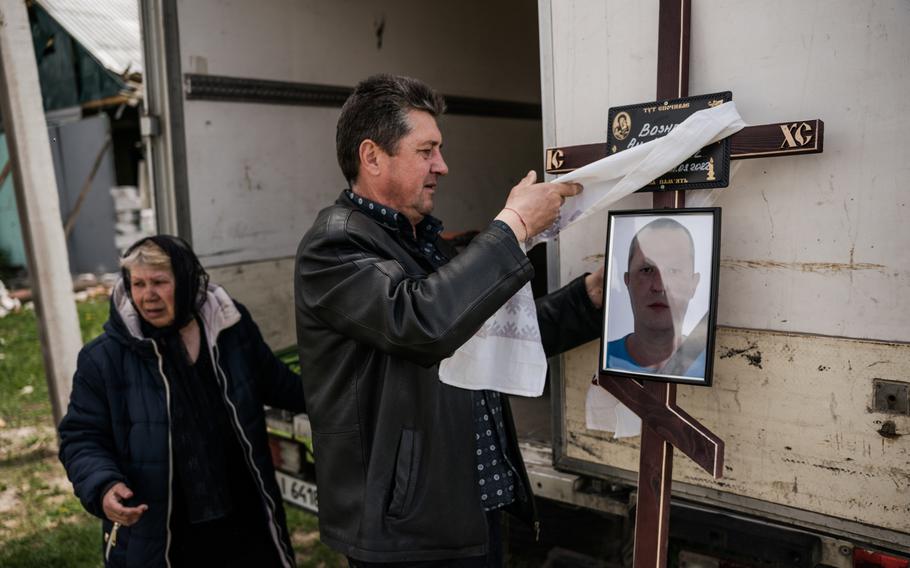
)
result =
(811, 365)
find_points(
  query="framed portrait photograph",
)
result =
(660, 294)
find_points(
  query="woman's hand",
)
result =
(115, 510)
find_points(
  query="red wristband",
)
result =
(523, 224)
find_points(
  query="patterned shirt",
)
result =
(495, 473)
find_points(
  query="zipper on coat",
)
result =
(111, 541)
(248, 453)
(170, 456)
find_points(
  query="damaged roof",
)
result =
(108, 29)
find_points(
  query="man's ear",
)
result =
(625, 278)
(370, 157)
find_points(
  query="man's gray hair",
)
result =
(377, 110)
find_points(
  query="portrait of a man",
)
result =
(659, 316)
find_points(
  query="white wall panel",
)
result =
(813, 244)
(469, 48)
(258, 174)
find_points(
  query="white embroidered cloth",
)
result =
(506, 355)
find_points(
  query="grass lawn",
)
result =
(41, 523)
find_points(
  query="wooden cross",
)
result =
(664, 424)
(760, 141)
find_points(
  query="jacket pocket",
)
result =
(406, 471)
(341, 478)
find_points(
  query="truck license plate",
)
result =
(298, 492)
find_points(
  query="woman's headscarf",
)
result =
(190, 281)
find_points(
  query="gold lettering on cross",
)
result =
(796, 135)
(554, 159)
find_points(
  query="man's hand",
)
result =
(594, 285)
(115, 510)
(532, 207)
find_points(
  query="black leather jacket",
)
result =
(394, 446)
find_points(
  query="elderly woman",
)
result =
(165, 436)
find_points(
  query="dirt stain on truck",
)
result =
(750, 353)
(820, 267)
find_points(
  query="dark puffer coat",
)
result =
(117, 425)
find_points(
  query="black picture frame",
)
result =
(654, 288)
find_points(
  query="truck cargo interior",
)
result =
(811, 359)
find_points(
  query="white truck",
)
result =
(811, 385)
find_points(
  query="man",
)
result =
(661, 281)
(412, 471)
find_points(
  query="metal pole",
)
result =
(38, 204)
